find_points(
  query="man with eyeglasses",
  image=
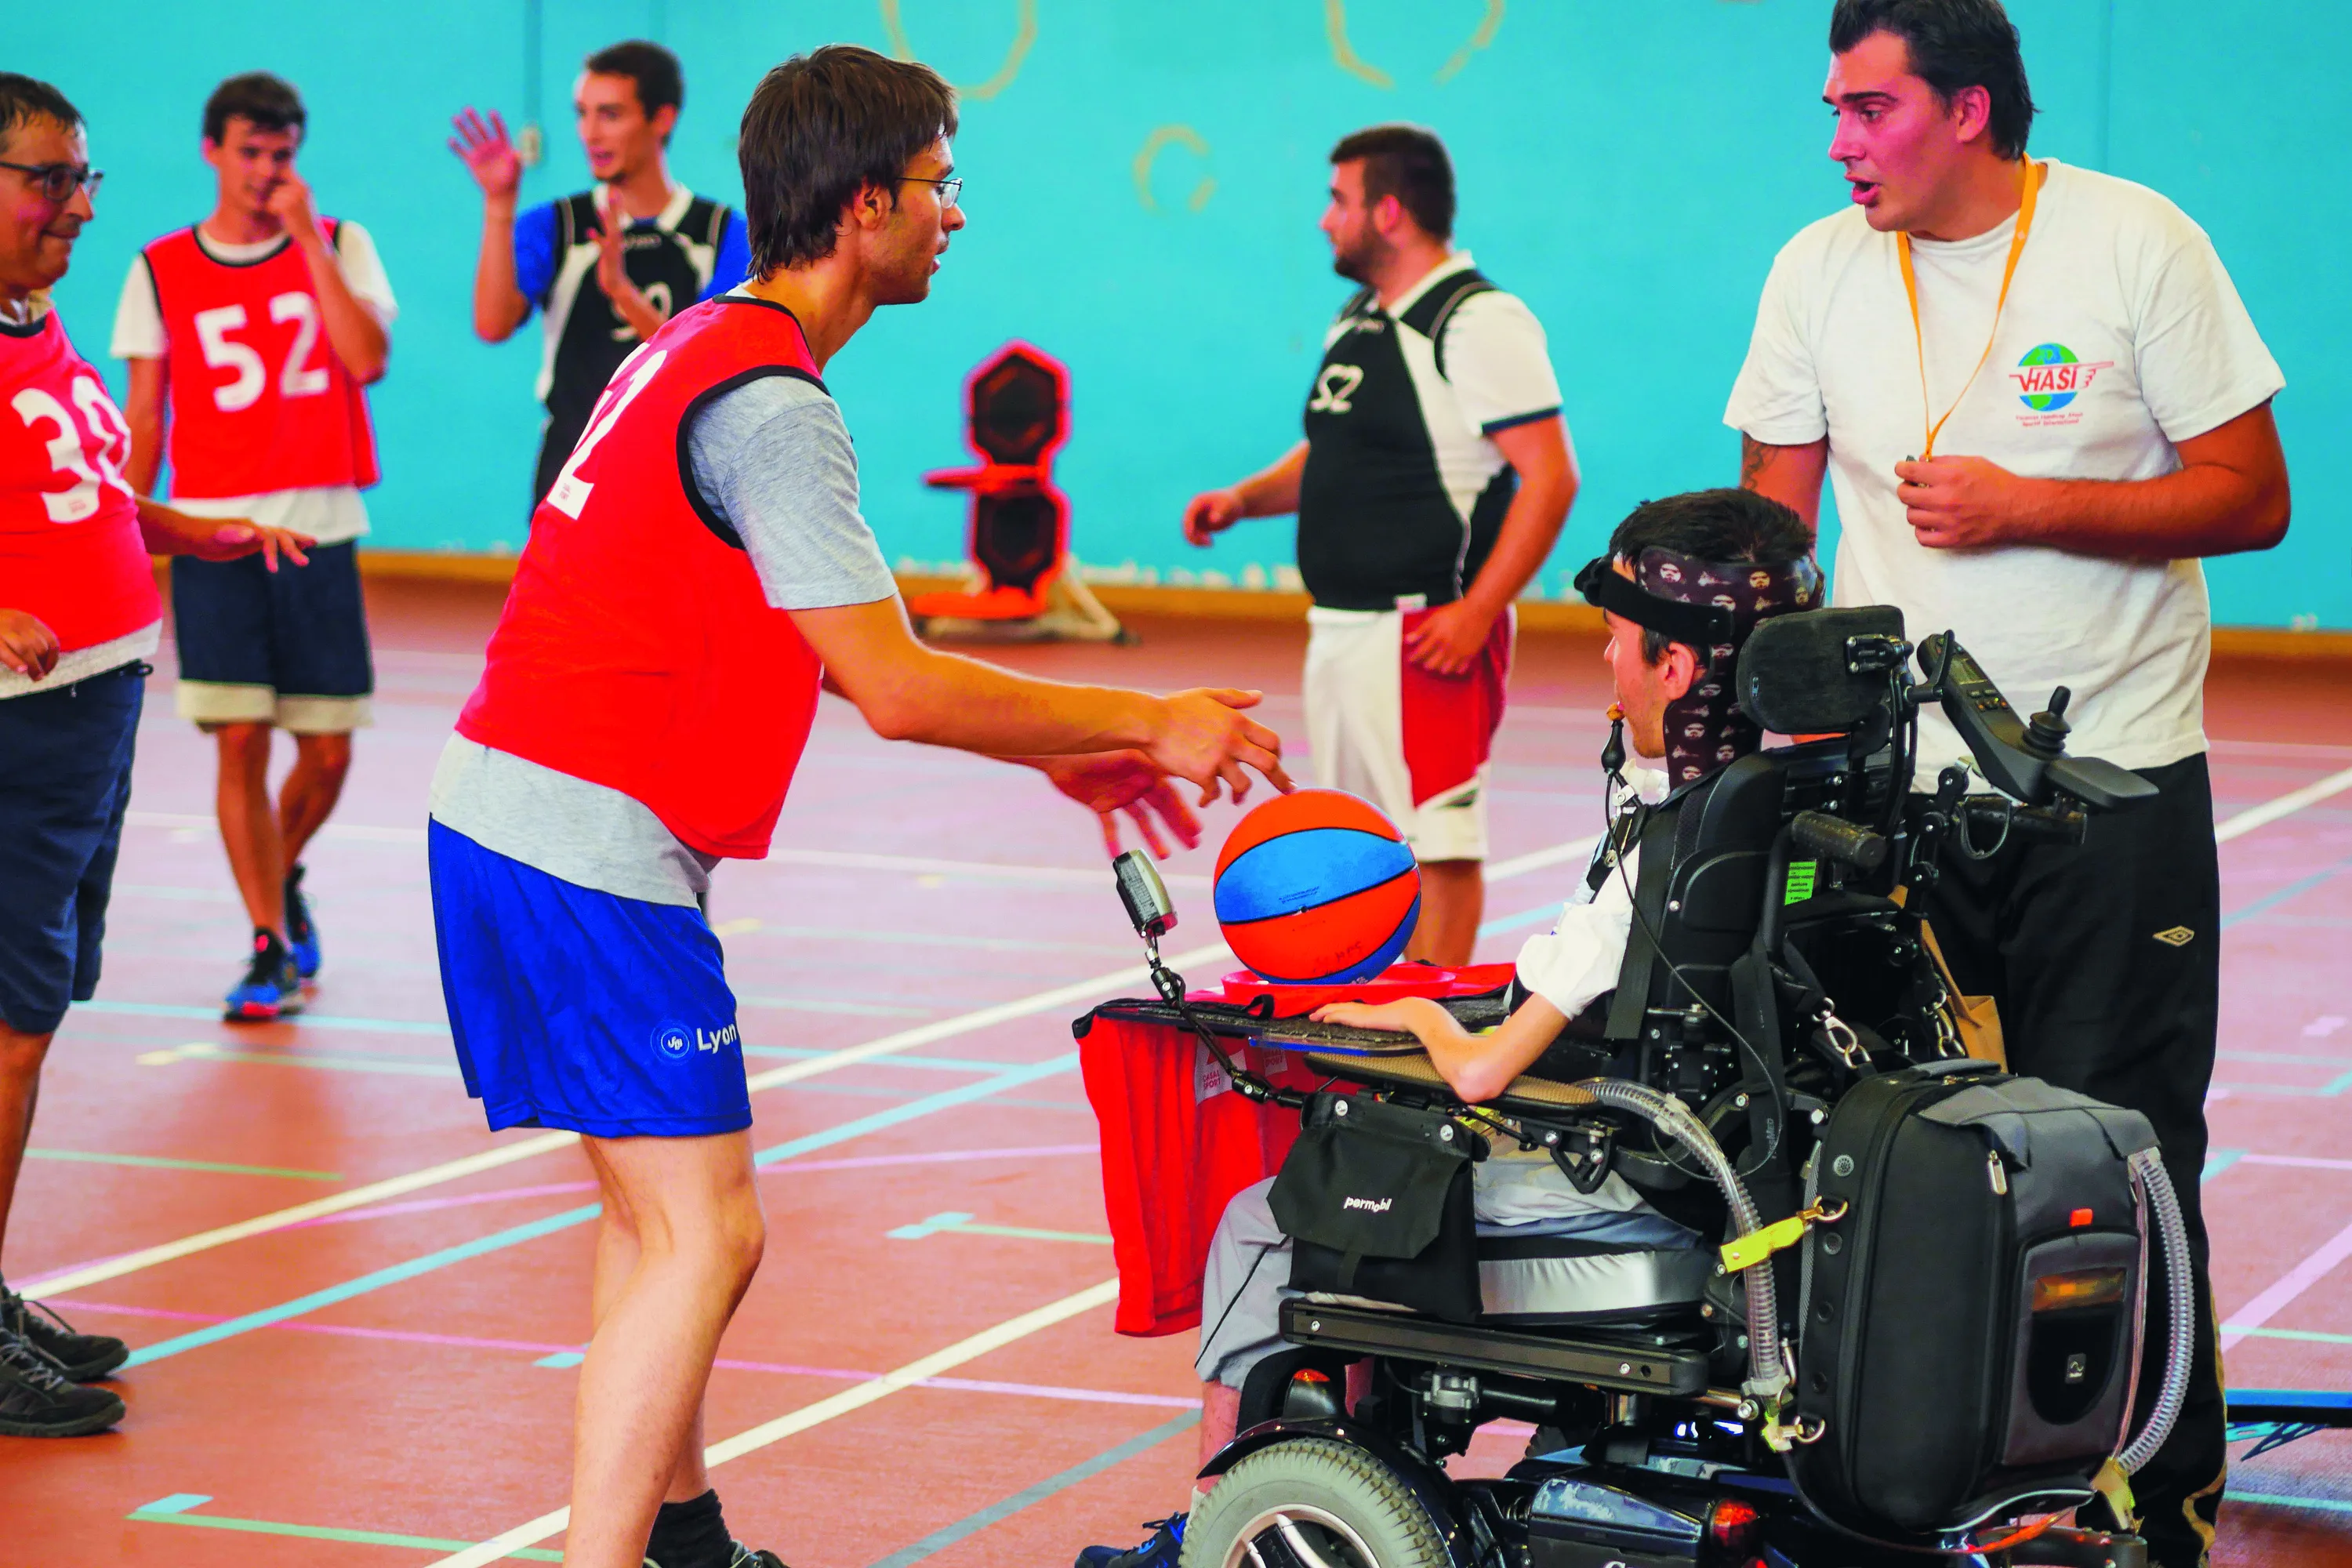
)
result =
(1433, 479)
(604, 268)
(251, 337)
(78, 614)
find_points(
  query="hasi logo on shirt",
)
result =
(2050, 377)
(1369, 1205)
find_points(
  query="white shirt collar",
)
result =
(1455, 261)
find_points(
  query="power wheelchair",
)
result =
(1725, 1406)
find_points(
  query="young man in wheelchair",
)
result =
(1708, 547)
(1520, 1212)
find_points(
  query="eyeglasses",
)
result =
(951, 190)
(56, 181)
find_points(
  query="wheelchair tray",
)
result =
(1554, 1357)
(1365, 1056)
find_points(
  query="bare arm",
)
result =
(1477, 1067)
(500, 304)
(908, 691)
(1789, 475)
(168, 532)
(148, 413)
(1272, 491)
(1448, 639)
(358, 339)
(2229, 494)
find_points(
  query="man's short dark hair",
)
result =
(1732, 527)
(268, 102)
(660, 79)
(24, 98)
(1409, 163)
(1953, 44)
(820, 128)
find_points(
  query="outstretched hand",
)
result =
(235, 538)
(1206, 738)
(488, 153)
(1107, 783)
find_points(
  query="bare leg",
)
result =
(249, 827)
(691, 1214)
(1453, 901)
(617, 1250)
(20, 1086)
(1220, 1416)
(310, 790)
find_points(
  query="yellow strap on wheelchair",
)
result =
(2112, 1484)
(1747, 1251)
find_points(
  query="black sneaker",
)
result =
(301, 933)
(272, 986)
(37, 1400)
(1160, 1550)
(744, 1557)
(85, 1358)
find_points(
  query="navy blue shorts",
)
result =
(579, 1009)
(287, 647)
(65, 781)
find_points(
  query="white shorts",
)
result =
(1414, 743)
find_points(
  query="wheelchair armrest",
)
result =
(1843, 904)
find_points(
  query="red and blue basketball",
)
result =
(1317, 888)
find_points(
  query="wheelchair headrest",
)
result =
(1795, 677)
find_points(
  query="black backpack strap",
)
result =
(1637, 973)
(1429, 314)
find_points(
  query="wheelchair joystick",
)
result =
(1613, 754)
(2046, 732)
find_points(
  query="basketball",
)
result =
(1317, 888)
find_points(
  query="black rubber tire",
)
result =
(1338, 1480)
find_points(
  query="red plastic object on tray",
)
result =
(1393, 983)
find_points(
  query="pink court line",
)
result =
(2293, 1283)
(532, 1347)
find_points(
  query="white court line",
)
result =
(2293, 1283)
(816, 1414)
(2242, 823)
(2287, 804)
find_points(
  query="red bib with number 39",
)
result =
(71, 551)
(259, 402)
(637, 649)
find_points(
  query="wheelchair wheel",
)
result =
(1316, 1503)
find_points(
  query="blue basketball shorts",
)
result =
(65, 782)
(581, 1009)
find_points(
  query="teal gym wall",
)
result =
(1628, 166)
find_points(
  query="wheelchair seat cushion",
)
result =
(1567, 1279)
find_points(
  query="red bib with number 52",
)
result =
(71, 551)
(637, 649)
(259, 402)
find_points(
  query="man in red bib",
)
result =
(78, 615)
(249, 337)
(698, 566)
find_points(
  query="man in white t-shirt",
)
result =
(250, 337)
(1434, 478)
(2081, 411)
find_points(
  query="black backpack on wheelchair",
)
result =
(1923, 1323)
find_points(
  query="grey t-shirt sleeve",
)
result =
(773, 459)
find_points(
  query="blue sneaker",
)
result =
(270, 989)
(1158, 1550)
(301, 934)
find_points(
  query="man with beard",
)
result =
(1434, 478)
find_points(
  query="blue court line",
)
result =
(2292, 890)
(178, 1507)
(879, 1091)
(974, 1523)
(307, 1020)
(2328, 1091)
(2218, 1161)
(1523, 919)
(2326, 1504)
(2312, 1335)
(162, 1162)
(813, 1005)
(940, 1064)
(516, 1236)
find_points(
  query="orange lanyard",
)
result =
(2033, 184)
